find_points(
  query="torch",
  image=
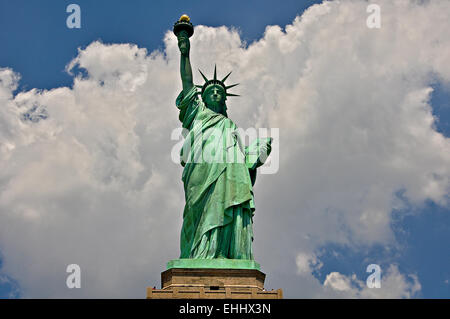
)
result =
(183, 24)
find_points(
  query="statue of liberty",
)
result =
(219, 209)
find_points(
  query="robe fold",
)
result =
(217, 217)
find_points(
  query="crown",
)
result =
(215, 81)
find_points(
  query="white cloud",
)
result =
(393, 285)
(339, 282)
(93, 184)
(307, 263)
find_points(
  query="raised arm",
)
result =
(185, 63)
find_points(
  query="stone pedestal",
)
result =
(212, 283)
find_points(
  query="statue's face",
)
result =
(214, 98)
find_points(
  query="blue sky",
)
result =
(423, 238)
(33, 29)
(37, 44)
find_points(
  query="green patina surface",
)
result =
(217, 263)
(218, 214)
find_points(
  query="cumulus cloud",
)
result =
(393, 285)
(307, 263)
(86, 175)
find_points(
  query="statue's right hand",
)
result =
(184, 44)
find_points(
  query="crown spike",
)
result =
(215, 73)
(204, 77)
(230, 94)
(226, 77)
(230, 86)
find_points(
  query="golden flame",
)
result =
(185, 17)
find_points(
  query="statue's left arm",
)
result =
(257, 152)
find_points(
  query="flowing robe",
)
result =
(218, 185)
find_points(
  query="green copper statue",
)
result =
(219, 209)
